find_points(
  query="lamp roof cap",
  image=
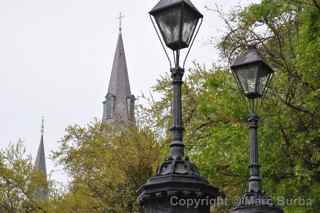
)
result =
(251, 56)
(163, 4)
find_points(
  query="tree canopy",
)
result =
(107, 166)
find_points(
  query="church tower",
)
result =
(40, 165)
(118, 107)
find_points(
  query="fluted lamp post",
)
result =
(253, 76)
(177, 186)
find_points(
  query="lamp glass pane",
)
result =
(247, 76)
(168, 22)
(264, 75)
(190, 20)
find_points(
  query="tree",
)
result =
(107, 166)
(19, 182)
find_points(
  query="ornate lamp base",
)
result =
(177, 188)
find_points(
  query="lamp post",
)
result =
(253, 76)
(177, 186)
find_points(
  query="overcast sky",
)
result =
(56, 58)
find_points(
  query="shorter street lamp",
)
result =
(253, 76)
(177, 186)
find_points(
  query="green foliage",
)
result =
(19, 182)
(107, 166)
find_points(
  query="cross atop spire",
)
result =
(42, 126)
(121, 16)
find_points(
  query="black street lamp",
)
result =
(177, 186)
(253, 76)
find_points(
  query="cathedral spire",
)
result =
(119, 103)
(40, 164)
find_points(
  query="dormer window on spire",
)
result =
(130, 107)
(109, 106)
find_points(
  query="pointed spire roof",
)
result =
(40, 163)
(119, 81)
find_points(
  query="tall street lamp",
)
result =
(177, 186)
(253, 76)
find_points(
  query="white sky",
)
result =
(56, 58)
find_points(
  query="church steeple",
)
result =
(40, 165)
(119, 80)
(119, 102)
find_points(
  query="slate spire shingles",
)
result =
(119, 81)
